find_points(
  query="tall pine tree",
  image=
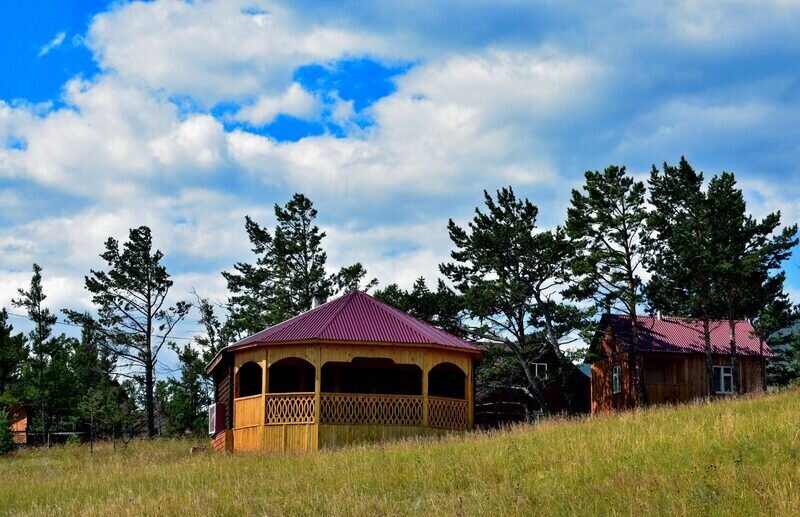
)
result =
(41, 346)
(133, 314)
(746, 255)
(607, 221)
(682, 251)
(509, 273)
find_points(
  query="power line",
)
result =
(68, 324)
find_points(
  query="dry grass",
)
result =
(736, 458)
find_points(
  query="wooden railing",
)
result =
(290, 408)
(447, 413)
(247, 411)
(660, 393)
(348, 408)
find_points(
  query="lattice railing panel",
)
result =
(290, 408)
(447, 413)
(347, 408)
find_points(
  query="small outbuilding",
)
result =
(673, 352)
(351, 370)
(18, 416)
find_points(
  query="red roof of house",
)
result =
(357, 316)
(671, 334)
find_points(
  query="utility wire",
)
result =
(68, 324)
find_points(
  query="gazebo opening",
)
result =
(372, 376)
(447, 380)
(249, 380)
(291, 375)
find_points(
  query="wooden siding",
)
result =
(223, 441)
(332, 435)
(19, 425)
(248, 411)
(682, 377)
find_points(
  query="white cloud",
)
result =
(295, 101)
(216, 51)
(450, 126)
(52, 44)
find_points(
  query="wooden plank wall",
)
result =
(338, 435)
(694, 374)
(603, 399)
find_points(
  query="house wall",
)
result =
(603, 398)
(19, 425)
(684, 379)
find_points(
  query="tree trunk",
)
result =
(709, 356)
(734, 359)
(763, 364)
(148, 398)
(638, 360)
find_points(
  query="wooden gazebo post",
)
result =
(425, 389)
(317, 386)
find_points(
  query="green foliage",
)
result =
(747, 253)
(607, 223)
(442, 308)
(131, 298)
(682, 257)
(13, 354)
(289, 271)
(510, 273)
(352, 277)
(6, 437)
(39, 372)
(188, 397)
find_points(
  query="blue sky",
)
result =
(392, 116)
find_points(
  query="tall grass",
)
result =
(739, 457)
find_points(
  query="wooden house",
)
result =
(350, 370)
(674, 357)
(18, 417)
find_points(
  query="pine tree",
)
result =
(40, 344)
(607, 222)
(131, 298)
(442, 308)
(682, 260)
(746, 255)
(13, 355)
(509, 274)
(289, 270)
(288, 273)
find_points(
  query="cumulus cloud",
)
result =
(217, 51)
(447, 126)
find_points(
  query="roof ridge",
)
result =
(393, 312)
(347, 300)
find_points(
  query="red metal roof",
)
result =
(357, 316)
(672, 334)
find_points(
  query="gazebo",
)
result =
(351, 370)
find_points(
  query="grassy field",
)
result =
(735, 457)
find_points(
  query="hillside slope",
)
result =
(733, 457)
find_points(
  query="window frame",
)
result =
(719, 373)
(536, 367)
(616, 379)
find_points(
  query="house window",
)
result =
(540, 370)
(616, 379)
(723, 379)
